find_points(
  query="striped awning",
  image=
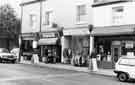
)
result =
(47, 41)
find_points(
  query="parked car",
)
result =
(125, 68)
(5, 55)
(16, 52)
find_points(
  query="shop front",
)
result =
(26, 45)
(111, 44)
(50, 47)
(111, 48)
(76, 46)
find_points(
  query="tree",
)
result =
(9, 23)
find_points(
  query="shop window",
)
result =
(27, 45)
(104, 50)
(128, 48)
(33, 20)
(117, 15)
(48, 18)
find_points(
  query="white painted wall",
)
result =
(27, 10)
(64, 12)
(103, 14)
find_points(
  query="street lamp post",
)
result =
(91, 38)
(37, 35)
(40, 15)
(92, 60)
(90, 27)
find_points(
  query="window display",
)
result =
(128, 47)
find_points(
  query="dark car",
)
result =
(5, 56)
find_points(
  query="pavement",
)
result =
(102, 72)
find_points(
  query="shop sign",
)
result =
(49, 35)
(116, 42)
(27, 35)
(129, 44)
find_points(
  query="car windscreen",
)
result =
(4, 51)
(127, 61)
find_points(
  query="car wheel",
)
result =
(122, 77)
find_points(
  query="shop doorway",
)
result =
(116, 53)
(51, 53)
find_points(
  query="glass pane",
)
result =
(127, 62)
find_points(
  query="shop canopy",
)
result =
(47, 41)
(76, 31)
(114, 30)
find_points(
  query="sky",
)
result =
(14, 4)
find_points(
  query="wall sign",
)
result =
(116, 43)
(28, 35)
(49, 35)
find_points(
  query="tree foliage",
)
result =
(9, 23)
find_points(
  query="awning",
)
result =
(76, 31)
(114, 30)
(27, 36)
(47, 41)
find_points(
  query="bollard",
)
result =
(94, 64)
(21, 60)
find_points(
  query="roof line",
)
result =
(30, 2)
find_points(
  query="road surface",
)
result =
(23, 74)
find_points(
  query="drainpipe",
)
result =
(40, 15)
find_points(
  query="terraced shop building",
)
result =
(48, 17)
(113, 30)
(38, 31)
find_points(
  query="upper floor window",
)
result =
(117, 15)
(81, 12)
(33, 20)
(48, 17)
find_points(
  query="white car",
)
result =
(125, 68)
(5, 55)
